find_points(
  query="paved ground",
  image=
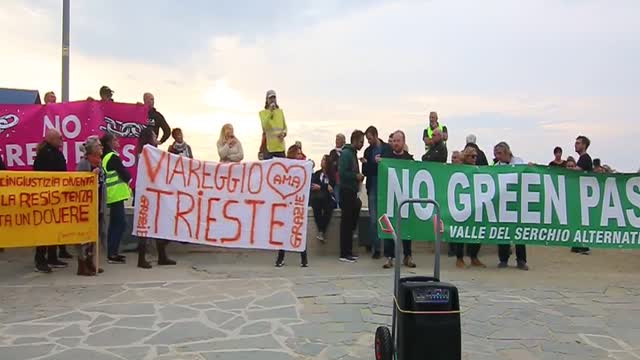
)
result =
(234, 305)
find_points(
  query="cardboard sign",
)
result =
(255, 205)
(47, 208)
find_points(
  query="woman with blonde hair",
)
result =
(229, 147)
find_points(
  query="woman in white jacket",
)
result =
(229, 147)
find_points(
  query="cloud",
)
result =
(505, 71)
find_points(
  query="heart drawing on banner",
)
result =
(286, 180)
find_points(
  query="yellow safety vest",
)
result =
(117, 190)
(430, 134)
(273, 124)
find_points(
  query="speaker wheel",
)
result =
(384, 344)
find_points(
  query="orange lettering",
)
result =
(152, 172)
(210, 219)
(275, 223)
(181, 214)
(254, 209)
(234, 219)
(158, 193)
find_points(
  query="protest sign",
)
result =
(47, 208)
(22, 127)
(255, 205)
(533, 205)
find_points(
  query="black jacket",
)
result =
(481, 160)
(157, 122)
(370, 168)
(315, 179)
(436, 153)
(391, 155)
(49, 158)
(2, 167)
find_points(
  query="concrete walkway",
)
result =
(235, 305)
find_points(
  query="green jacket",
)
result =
(348, 168)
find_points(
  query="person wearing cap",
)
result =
(481, 159)
(427, 134)
(156, 119)
(503, 156)
(274, 127)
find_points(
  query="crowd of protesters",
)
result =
(336, 184)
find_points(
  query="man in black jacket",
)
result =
(481, 160)
(438, 150)
(156, 119)
(370, 160)
(49, 158)
(398, 142)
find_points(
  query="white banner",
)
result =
(254, 205)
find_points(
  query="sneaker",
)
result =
(523, 266)
(320, 236)
(408, 262)
(115, 260)
(585, 252)
(166, 262)
(355, 257)
(460, 264)
(279, 264)
(57, 264)
(122, 258)
(304, 265)
(388, 264)
(376, 255)
(503, 265)
(348, 259)
(43, 268)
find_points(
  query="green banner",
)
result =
(520, 204)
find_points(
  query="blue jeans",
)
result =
(373, 220)
(117, 225)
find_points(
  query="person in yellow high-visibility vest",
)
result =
(427, 134)
(118, 192)
(274, 127)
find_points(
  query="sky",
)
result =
(533, 73)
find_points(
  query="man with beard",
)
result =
(398, 152)
(156, 119)
(370, 160)
(49, 158)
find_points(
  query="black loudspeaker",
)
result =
(428, 320)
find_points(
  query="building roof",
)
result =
(19, 96)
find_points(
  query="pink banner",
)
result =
(22, 127)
